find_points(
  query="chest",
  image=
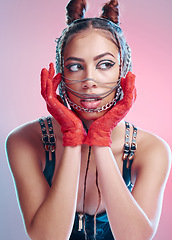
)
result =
(88, 186)
(89, 183)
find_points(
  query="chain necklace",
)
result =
(103, 108)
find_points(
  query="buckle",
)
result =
(126, 150)
(52, 138)
(131, 156)
(45, 138)
(52, 141)
(52, 148)
(133, 146)
(125, 155)
(46, 146)
(126, 147)
(49, 141)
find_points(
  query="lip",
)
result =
(90, 103)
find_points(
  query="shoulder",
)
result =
(153, 154)
(30, 133)
(149, 143)
(24, 134)
(23, 141)
(27, 140)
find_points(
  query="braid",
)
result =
(75, 10)
(111, 11)
(120, 54)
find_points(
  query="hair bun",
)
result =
(75, 10)
(111, 11)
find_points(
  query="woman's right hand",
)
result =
(71, 126)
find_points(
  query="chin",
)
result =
(91, 116)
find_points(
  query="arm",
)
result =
(57, 212)
(134, 216)
(48, 212)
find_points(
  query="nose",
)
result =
(89, 81)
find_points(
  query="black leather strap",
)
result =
(128, 156)
(49, 142)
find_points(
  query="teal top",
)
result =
(103, 230)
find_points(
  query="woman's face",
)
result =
(90, 54)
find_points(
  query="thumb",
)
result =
(44, 78)
(128, 83)
(56, 80)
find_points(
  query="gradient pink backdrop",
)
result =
(28, 30)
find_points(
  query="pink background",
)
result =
(28, 30)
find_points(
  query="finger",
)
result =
(44, 78)
(51, 70)
(128, 83)
(56, 80)
(129, 89)
(49, 90)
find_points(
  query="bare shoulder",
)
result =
(26, 134)
(147, 142)
(24, 131)
(152, 152)
(27, 140)
(22, 142)
(150, 143)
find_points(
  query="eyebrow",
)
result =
(95, 58)
(102, 55)
(75, 58)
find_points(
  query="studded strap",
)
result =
(128, 155)
(49, 142)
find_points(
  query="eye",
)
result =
(105, 64)
(75, 67)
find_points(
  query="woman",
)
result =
(78, 173)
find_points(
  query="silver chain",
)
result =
(103, 108)
(82, 109)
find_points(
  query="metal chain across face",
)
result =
(100, 96)
(124, 50)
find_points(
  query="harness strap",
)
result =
(49, 142)
(128, 156)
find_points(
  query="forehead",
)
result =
(91, 42)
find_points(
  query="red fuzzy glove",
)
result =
(71, 126)
(100, 130)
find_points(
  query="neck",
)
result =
(86, 122)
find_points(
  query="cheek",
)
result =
(73, 98)
(72, 83)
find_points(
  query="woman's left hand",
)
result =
(100, 130)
